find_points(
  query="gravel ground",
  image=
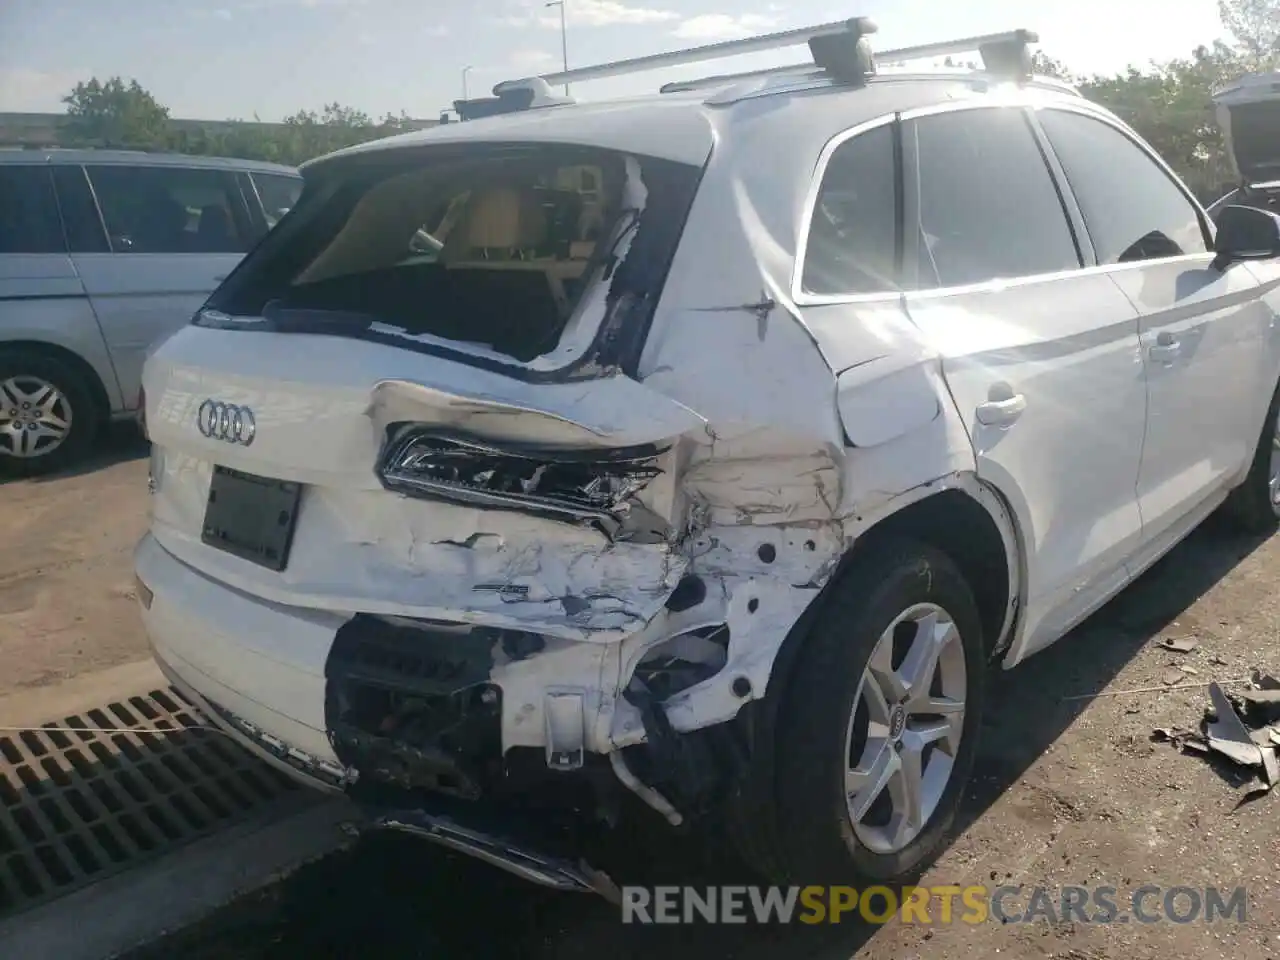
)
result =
(1067, 791)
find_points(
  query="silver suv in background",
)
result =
(103, 254)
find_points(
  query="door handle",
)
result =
(1001, 413)
(1165, 349)
(220, 279)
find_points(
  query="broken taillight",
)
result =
(588, 487)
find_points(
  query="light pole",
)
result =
(465, 71)
(564, 37)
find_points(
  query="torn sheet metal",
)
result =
(610, 412)
(759, 613)
(1232, 728)
(365, 550)
(1228, 735)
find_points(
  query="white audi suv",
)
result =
(707, 447)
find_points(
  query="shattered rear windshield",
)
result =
(490, 248)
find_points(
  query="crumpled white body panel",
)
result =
(763, 488)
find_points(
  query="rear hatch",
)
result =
(412, 398)
(1249, 115)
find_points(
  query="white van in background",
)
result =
(102, 254)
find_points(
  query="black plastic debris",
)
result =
(1180, 738)
(1264, 681)
(1243, 727)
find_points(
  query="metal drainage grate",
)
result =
(77, 807)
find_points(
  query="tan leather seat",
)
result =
(498, 220)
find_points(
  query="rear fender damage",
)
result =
(748, 522)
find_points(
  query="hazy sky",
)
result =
(235, 58)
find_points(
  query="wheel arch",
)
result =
(981, 535)
(965, 518)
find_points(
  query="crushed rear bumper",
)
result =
(454, 831)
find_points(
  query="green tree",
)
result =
(311, 134)
(1256, 26)
(1170, 105)
(116, 114)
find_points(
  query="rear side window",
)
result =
(170, 209)
(278, 194)
(987, 205)
(852, 243)
(1131, 208)
(29, 221)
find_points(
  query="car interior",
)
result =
(500, 263)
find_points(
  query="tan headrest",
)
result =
(505, 217)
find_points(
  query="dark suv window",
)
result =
(79, 213)
(988, 207)
(29, 220)
(1131, 207)
(170, 209)
(853, 232)
(278, 194)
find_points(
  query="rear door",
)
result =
(41, 298)
(1041, 357)
(1203, 331)
(173, 234)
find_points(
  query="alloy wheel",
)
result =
(905, 730)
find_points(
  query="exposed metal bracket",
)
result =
(526, 862)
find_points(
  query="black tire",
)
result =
(813, 837)
(86, 418)
(1250, 506)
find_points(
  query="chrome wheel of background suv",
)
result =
(48, 415)
(35, 417)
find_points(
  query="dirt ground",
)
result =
(1069, 788)
(66, 568)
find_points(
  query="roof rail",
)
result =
(839, 49)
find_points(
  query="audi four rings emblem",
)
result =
(227, 422)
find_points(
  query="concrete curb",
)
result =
(131, 909)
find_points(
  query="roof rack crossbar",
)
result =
(838, 49)
(1002, 53)
(841, 29)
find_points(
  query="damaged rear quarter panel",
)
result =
(798, 461)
